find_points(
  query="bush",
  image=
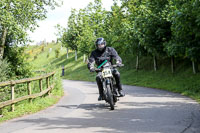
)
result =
(35, 57)
(4, 70)
(19, 66)
(57, 51)
(42, 48)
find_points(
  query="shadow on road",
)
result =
(161, 112)
(135, 117)
(87, 106)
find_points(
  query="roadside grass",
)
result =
(183, 81)
(25, 107)
(40, 63)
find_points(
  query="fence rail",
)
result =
(30, 96)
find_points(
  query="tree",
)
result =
(97, 16)
(71, 34)
(18, 16)
(91, 22)
(151, 27)
(118, 28)
(84, 27)
(86, 36)
(185, 19)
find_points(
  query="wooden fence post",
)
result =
(137, 62)
(52, 78)
(40, 84)
(195, 67)
(50, 82)
(172, 64)
(75, 55)
(155, 63)
(29, 90)
(67, 53)
(30, 97)
(13, 96)
(47, 81)
(63, 71)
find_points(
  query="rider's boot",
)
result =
(118, 84)
(100, 93)
(100, 98)
(120, 92)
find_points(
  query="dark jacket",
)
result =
(99, 57)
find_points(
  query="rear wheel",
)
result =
(110, 97)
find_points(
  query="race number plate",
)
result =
(106, 72)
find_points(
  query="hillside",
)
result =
(182, 81)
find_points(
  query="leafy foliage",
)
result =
(185, 20)
(4, 70)
(19, 66)
(162, 28)
(16, 17)
(84, 27)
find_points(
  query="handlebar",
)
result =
(114, 66)
(97, 70)
(117, 65)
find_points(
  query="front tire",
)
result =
(110, 97)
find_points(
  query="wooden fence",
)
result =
(30, 96)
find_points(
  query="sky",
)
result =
(46, 30)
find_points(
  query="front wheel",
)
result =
(110, 97)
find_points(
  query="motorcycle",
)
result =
(110, 93)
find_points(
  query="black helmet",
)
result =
(99, 42)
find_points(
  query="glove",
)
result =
(118, 63)
(92, 69)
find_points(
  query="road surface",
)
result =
(142, 110)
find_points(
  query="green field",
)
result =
(183, 81)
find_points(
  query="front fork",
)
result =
(106, 82)
(111, 82)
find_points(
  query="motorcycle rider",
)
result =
(98, 56)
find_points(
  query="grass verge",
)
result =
(183, 81)
(39, 61)
(40, 103)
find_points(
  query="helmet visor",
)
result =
(101, 46)
(99, 42)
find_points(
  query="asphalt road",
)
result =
(142, 110)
